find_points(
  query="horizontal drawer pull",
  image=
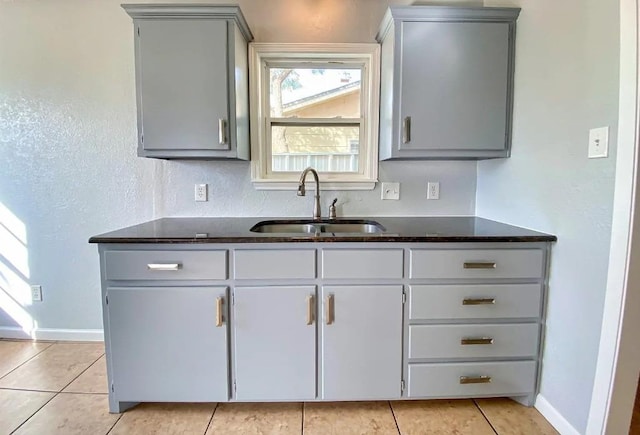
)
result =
(479, 301)
(479, 265)
(464, 380)
(480, 340)
(164, 266)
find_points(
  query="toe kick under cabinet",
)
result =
(209, 322)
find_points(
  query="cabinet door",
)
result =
(166, 344)
(361, 349)
(274, 343)
(182, 83)
(454, 86)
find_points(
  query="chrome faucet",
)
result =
(302, 190)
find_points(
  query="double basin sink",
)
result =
(331, 227)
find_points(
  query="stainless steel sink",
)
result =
(319, 227)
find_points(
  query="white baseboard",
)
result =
(554, 417)
(52, 334)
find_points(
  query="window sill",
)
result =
(311, 185)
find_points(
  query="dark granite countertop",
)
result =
(397, 229)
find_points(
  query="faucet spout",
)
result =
(302, 190)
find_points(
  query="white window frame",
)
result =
(261, 54)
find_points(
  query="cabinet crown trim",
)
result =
(444, 13)
(168, 10)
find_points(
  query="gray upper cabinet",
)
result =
(447, 82)
(191, 81)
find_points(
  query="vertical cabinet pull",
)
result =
(310, 309)
(329, 310)
(222, 131)
(406, 130)
(219, 302)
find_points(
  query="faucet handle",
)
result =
(332, 209)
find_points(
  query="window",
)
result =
(314, 105)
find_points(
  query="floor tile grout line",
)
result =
(475, 402)
(395, 420)
(114, 423)
(211, 419)
(37, 410)
(24, 362)
(81, 373)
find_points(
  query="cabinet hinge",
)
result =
(112, 389)
(106, 298)
(142, 138)
(234, 387)
(233, 299)
(404, 297)
(138, 31)
(401, 385)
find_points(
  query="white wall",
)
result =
(68, 168)
(566, 82)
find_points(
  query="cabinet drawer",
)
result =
(165, 265)
(474, 301)
(473, 341)
(362, 263)
(272, 264)
(476, 263)
(472, 379)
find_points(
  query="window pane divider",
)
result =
(355, 122)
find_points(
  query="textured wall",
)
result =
(68, 168)
(550, 185)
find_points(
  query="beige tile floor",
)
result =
(61, 388)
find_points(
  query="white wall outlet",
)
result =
(390, 191)
(433, 190)
(599, 143)
(36, 293)
(201, 193)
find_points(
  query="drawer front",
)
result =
(473, 341)
(362, 263)
(166, 265)
(475, 301)
(476, 263)
(273, 264)
(472, 379)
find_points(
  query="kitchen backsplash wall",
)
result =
(68, 164)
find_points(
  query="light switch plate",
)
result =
(390, 191)
(599, 143)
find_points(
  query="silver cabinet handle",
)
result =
(164, 266)
(478, 301)
(329, 310)
(479, 265)
(222, 131)
(310, 309)
(478, 340)
(475, 380)
(406, 130)
(219, 318)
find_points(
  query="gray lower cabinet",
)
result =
(361, 341)
(274, 343)
(310, 321)
(167, 344)
(447, 82)
(191, 81)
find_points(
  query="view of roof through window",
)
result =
(325, 104)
